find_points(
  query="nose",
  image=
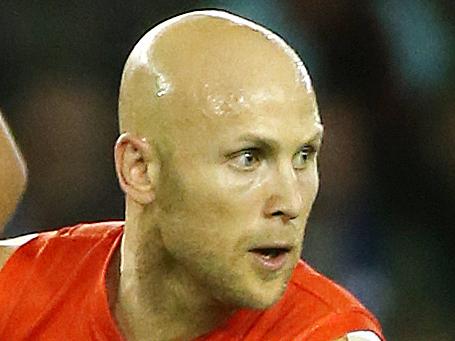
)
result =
(285, 198)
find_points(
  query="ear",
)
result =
(136, 168)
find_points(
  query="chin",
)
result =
(264, 294)
(260, 297)
(263, 304)
(249, 289)
(268, 299)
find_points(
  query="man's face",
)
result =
(236, 188)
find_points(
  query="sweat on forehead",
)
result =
(207, 62)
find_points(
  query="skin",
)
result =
(218, 156)
(13, 174)
(220, 133)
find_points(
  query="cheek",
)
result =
(315, 181)
(202, 208)
(309, 186)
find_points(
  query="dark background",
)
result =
(384, 73)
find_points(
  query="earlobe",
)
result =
(133, 157)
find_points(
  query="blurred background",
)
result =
(384, 73)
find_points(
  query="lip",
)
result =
(271, 263)
(268, 261)
(288, 246)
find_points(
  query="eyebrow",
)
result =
(270, 143)
(316, 138)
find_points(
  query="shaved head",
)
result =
(220, 132)
(202, 63)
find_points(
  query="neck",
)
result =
(157, 299)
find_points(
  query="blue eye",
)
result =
(300, 159)
(246, 159)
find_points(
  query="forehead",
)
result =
(289, 118)
(274, 113)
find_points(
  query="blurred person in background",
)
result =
(13, 173)
(57, 114)
(174, 276)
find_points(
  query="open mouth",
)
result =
(271, 258)
(270, 253)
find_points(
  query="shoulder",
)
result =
(9, 246)
(88, 232)
(332, 309)
(324, 290)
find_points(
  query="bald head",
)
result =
(221, 132)
(204, 63)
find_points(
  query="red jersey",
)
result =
(54, 288)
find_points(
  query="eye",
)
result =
(247, 159)
(301, 158)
